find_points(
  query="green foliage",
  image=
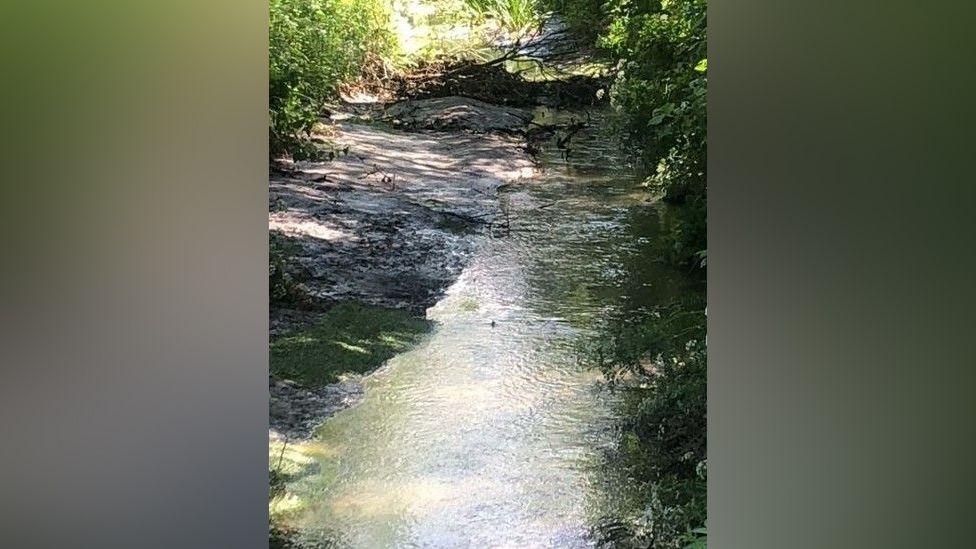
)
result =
(585, 17)
(661, 88)
(316, 45)
(665, 358)
(350, 338)
(513, 15)
(280, 282)
(695, 539)
(687, 224)
(673, 514)
(670, 419)
(283, 287)
(666, 352)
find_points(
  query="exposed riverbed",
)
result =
(491, 432)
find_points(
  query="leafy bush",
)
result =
(667, 354)
(513, 15)
(661, 88)
(695, 539)
(587, 18)
(283, 287)
(315, 46)
(664, 440)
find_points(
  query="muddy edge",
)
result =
(390, 220)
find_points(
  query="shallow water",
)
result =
(491, 433)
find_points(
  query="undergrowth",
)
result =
(660, 360)
(349, 339)
(660, 86)
(314, 47)
(284, 287)
(513, 16)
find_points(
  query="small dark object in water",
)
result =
(492, 323)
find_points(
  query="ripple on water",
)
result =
(490, 435)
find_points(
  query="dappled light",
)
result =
(376, 223)
(349, 339)
(487, 273)
(491, 420)
(292, 225)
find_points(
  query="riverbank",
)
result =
(388, 222)
(489, 431)
(496, 190)
(387, 212)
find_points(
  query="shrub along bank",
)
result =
(318, 45)
(664, 441)
(660, 87)
(314, 47)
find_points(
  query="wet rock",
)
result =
(391, 222)
(457, 113)
(296, 411)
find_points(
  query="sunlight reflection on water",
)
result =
(489, 432)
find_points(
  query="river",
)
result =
(493, 432)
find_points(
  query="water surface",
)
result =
(492, 433)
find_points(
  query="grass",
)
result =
(513, 15)
(350, 339)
